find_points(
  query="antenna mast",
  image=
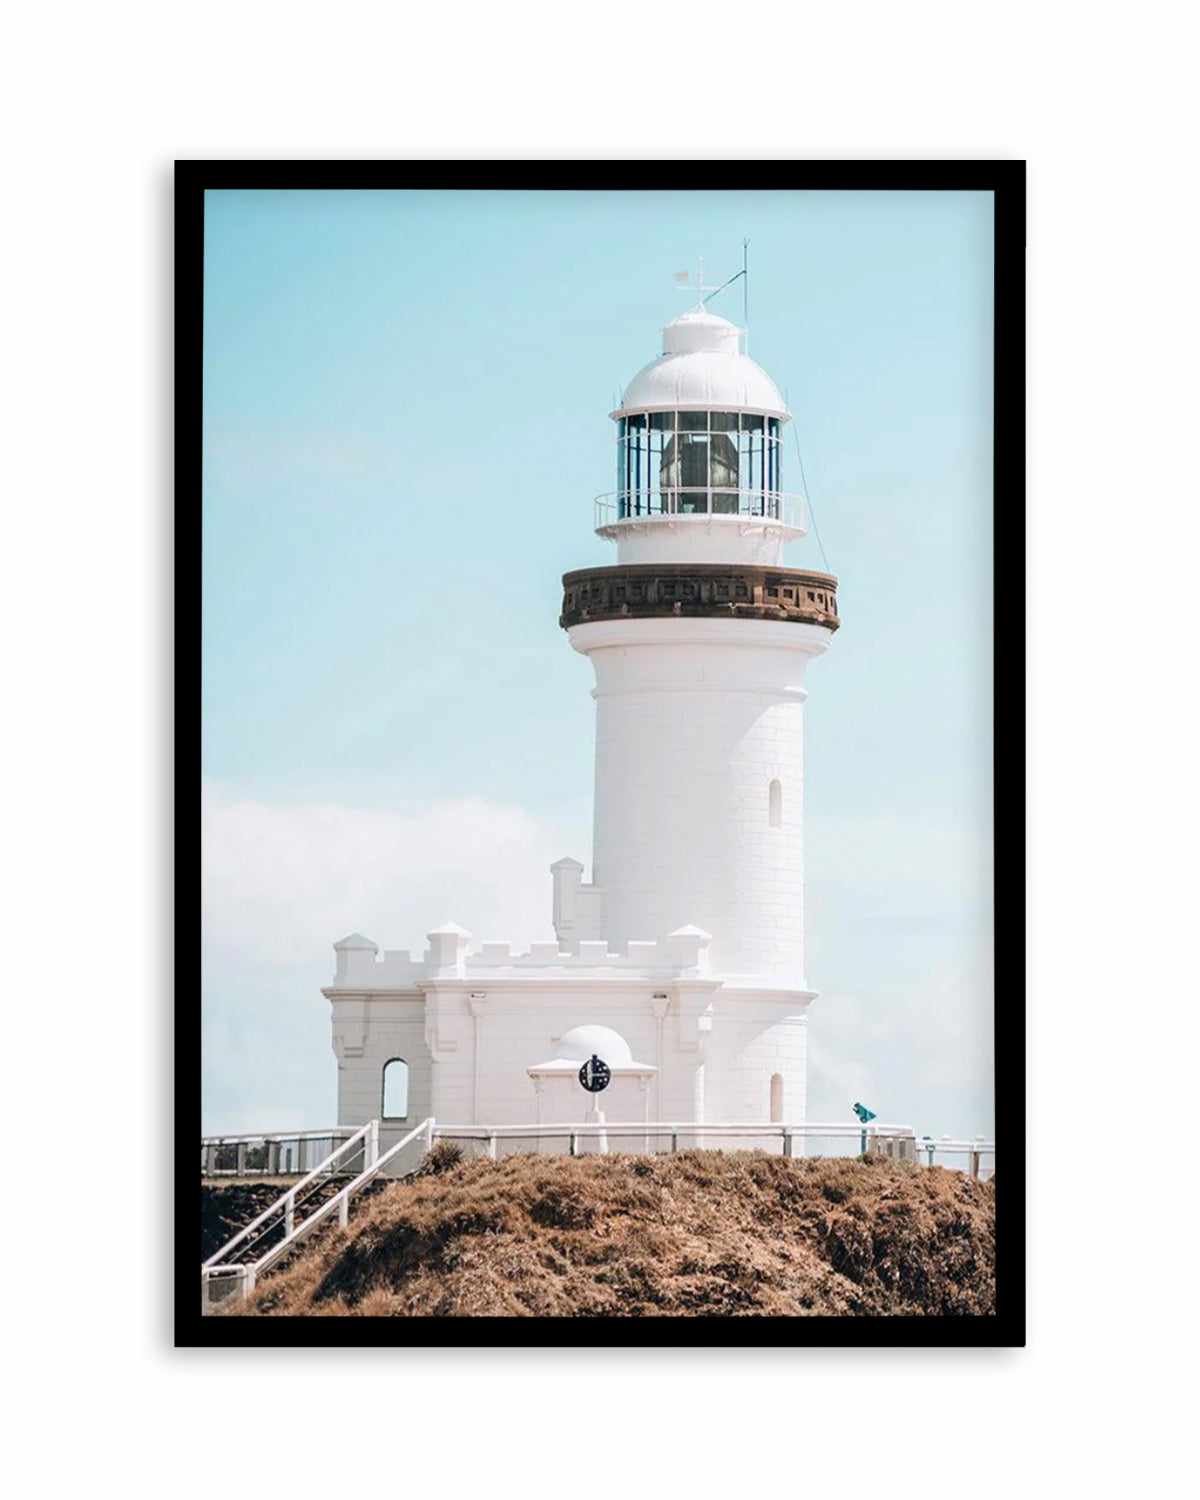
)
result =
(684, 282)
(746, 295)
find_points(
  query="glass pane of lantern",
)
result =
(756, 477)
(723, 471)
(662, 421)
(693, 421)
(695, 460)
(723, 421)
(694, 472)
(638, 471)
(659, 440)
(751, 424)
(669, 471)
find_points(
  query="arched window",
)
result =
(776, 1098)
(775, 804)
(395, 1089)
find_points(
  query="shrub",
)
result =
(444, 1156)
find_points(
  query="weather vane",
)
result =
(705, 294)
(684, 282)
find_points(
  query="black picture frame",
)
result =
(1006, 181)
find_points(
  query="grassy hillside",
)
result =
(701, 1232)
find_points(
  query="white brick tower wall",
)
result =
(695, 719)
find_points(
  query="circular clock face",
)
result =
(595, 1075)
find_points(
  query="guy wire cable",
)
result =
(808, 498)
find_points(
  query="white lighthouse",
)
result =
(700, 639)
(686, 946)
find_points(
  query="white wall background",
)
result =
(97, 101)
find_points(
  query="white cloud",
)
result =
(915, 1046)
(281, 881)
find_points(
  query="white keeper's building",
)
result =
(680, 962)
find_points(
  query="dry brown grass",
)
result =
(699, 1233)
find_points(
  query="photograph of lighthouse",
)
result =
(605, 819)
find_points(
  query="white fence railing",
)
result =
(681, 1135)
(236, 1266)
(220, 1278)
(807, 1137)
(975, 1150)
(270, 1153)
(701, 503)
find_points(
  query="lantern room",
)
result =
(699, 435)
(698, 463)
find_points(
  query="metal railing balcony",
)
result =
(775, 507)
(268, 1153)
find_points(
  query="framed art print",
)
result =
(589, 667)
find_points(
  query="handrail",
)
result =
(709, 1132)
(780, 507)
(329, 1133)
(662, 1127)
(927, 1143)
(293, 1192)
(879, 1134)
(340, 1201)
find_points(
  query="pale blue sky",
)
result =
(406, 400)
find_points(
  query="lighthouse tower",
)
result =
(681, 962)
(700, 639)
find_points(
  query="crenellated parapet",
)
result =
(682, 953)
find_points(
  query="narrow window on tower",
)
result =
(775, 805)
(395, 1089)
(776, 1098)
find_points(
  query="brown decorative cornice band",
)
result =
(725, 590)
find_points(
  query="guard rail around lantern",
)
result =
(692, 504)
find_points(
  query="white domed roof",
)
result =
(702, 367)
(581, 1041)
(700, 332)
